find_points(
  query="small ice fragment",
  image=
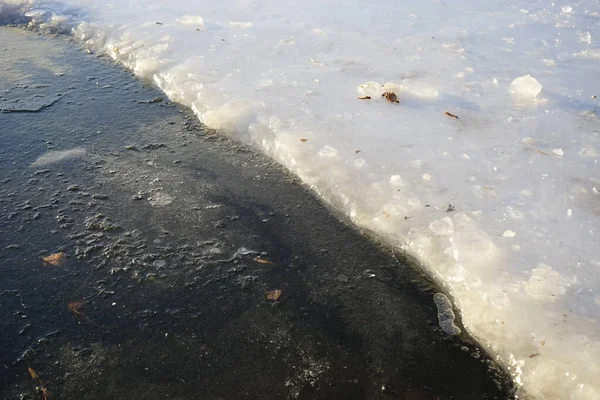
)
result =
(426, 177)
(525, 87)
(509, 234)
(549, 62)
(159, 263)
(445, 314)
(558, 152)
(569, 212)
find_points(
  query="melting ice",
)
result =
(501, 204)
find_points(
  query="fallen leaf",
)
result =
(303, 140)
(357, 151)
(391, 97)
(33, 374)
(364, 98)
(55, 259)
(451, 115)
(262, 261)
(534, 355)
(274, 294)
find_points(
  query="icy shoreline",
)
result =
(500, 204)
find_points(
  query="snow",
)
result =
(500, 204)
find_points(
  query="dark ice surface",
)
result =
(173, 236)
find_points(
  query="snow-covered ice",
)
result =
(501, 204)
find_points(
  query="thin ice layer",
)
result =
(501, 204)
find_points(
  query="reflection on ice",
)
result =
(52, 157)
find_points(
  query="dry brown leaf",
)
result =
(451, 115)
(55, 259)
(534, 355)
(364, 98)
(262, 261)
(303, 140)
(274, 294)
(391, 97)
(357, 151)
(33, 374)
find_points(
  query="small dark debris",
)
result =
(450, 208)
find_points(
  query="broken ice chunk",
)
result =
(525, 87)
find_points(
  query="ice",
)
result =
(545, 284)
(525, 86)
(445, 314)
(501, 205)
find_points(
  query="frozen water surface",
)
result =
(501, 204)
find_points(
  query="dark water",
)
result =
(172, 238)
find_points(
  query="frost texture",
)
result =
(502, 205)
